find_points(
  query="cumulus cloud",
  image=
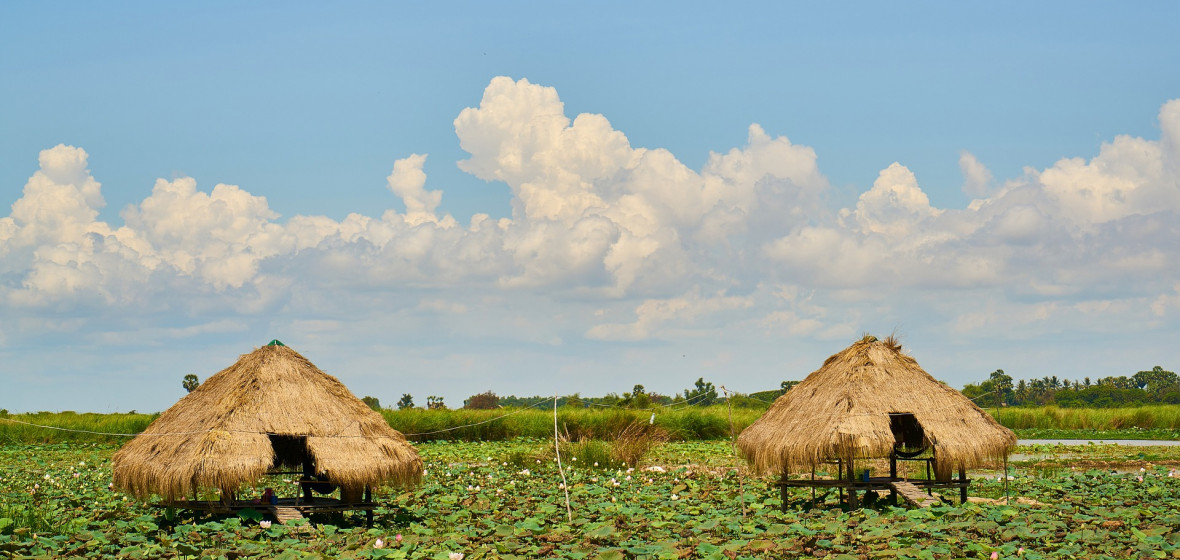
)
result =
(895, 207)
(219, 237)
(652, 315)
(595, 219)
(977, 179)
(408, 181)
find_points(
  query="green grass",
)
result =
(14, 428)
(577, 424)
(1157, 417)
(693, 423)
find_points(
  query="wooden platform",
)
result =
(847, 484)
(912, 494)
(303, 507)
(285, 515)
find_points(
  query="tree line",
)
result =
(1154, 386)
(702, 393)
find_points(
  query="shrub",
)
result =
(483, 401)
(636, 440)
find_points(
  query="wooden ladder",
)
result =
(285, 515)
(912, 494)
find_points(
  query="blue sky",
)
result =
(659, 239)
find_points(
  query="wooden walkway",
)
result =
(912, 494)
(285, 515)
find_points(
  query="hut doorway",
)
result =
(909, 440)
(291, 452)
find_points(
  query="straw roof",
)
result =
(218, 436)
(847, 409)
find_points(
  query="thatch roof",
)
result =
(220, 434)
(851, 407)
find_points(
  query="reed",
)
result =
(1158, 417)
(691, 423)
(686, 424)
(15, 428)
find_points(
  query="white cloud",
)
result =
(653, 314)
(895, 208)
(59, 204)
(609, 230)
(407, 181)
(219, 237)
(977, 179)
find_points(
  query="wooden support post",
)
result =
(929, 475)
(782, 492)
(852, 503)
(813, 486)
(840, 476)
(964, 482)
(308, 473)
(1005, 480)
(369, 511)
(893, 476)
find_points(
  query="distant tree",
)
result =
(1120, 382)
(575, 401)
(483, 401)
(637, 398)
(1156, 381)
(435, 403)
(406, 402)
(1002, 385)
(373, 402)
(609, 399)
(786, 386)
(975, 391)
(702, 393)
(1020, 394)
(190, 382)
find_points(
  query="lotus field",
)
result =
(685, 500)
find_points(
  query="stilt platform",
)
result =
(287, 509)
(918, 492)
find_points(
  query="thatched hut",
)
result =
(271, 409)
(871, 401)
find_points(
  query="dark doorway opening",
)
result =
(908, 438)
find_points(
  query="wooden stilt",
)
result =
(929, 476)
(840, 476)
(1005, 479)
(852, 503)
(782, 492)
(893, 476)
(813, 486)
(368, 512)
(963, 489)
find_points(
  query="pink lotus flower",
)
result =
(265, 524)
(379, 544)
(398, 538)
(456, 556)
(995, 555)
